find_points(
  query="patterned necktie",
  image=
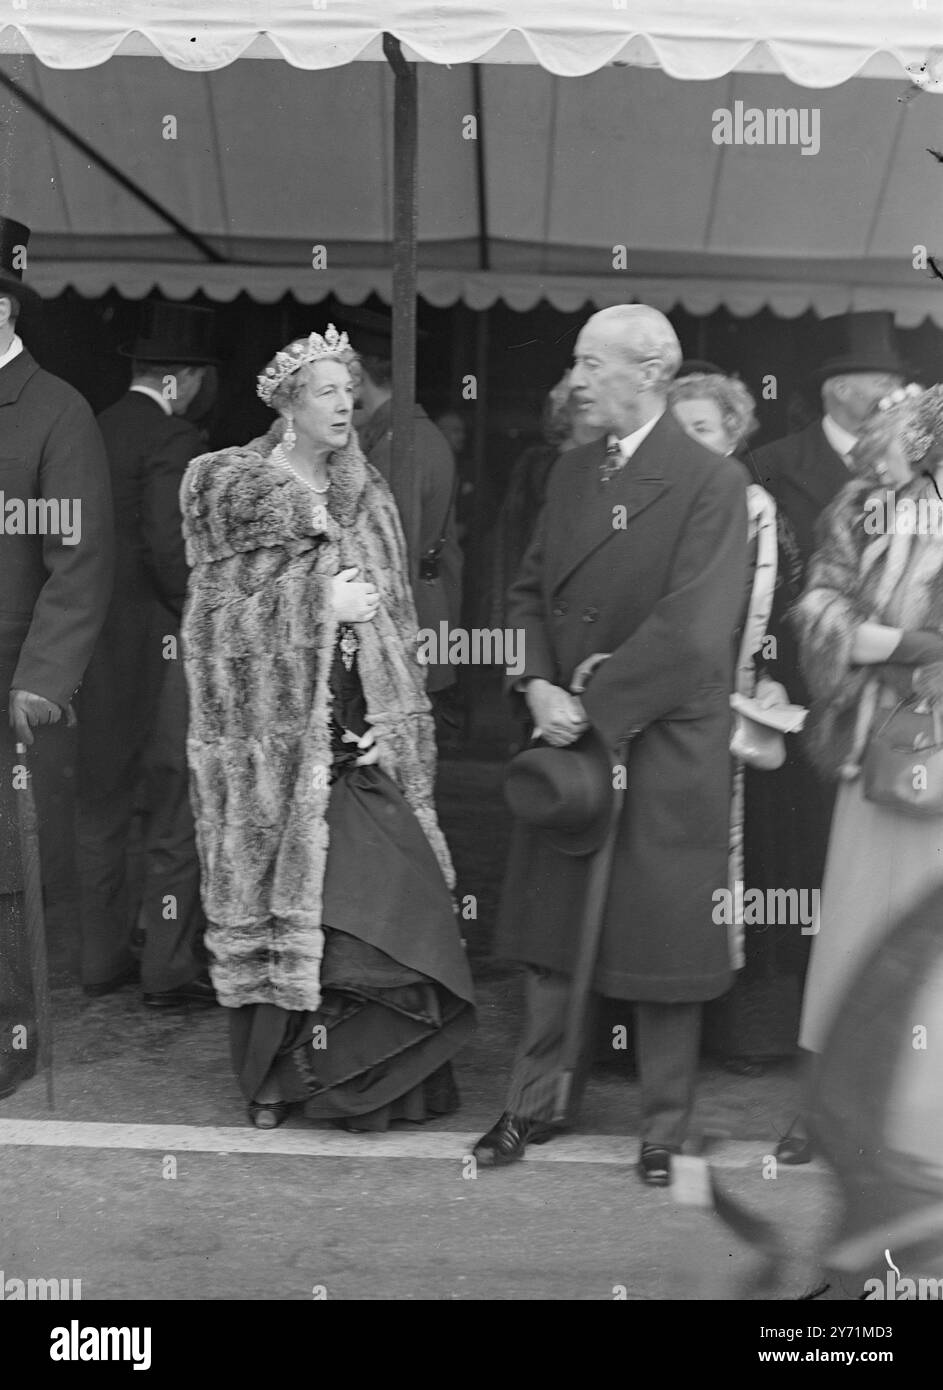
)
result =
(613, 462)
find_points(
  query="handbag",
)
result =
(903, 762)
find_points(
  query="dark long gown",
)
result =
(397, 997)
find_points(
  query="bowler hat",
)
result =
(173, 333)
(14, 238)
(859, 342)
(565, 792)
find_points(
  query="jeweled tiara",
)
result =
(297, 354)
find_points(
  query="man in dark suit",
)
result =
(639, 557)
(788, 812)
(439, 595)
(133, 710)
(56, 559)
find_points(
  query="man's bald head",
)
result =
(624, 360)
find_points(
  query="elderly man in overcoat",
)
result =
(640, 555)
(55, 582)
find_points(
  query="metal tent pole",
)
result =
(405, 481)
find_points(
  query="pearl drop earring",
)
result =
(289, 436)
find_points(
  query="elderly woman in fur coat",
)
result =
(871, 637)
(326, 877)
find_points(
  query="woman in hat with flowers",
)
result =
(325, 875)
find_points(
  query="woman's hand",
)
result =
(370, 752)
(769, 694)
(353, 600)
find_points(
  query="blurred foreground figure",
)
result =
(54, 589)
(876, 1113)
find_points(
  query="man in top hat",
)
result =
(133, 710)
(640, 558)
(439, 596)
(788, 811)
(55, 582)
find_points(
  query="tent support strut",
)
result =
(405, 480)
(112, 170)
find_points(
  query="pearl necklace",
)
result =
(279, 455)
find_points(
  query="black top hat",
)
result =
(566, 792)
(859, 342)
(14, 238)
(371, 333)
(179, 333)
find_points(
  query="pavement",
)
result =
(146, 1180)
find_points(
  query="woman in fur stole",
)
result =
(326, 879)
(870, 626)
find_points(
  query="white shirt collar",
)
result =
(14, 350)
(630, 443)
(841, 440)
(154, 395)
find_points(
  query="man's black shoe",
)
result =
(654, 1164)
(14, 1068)
(127, 975)
(195, 993)
(507, 1140)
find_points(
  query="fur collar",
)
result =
(237, 499)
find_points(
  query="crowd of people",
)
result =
(232, 642)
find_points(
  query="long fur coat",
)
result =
(890, 577)
(259, 634)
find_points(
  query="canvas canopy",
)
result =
(815, 42)
(601, 182)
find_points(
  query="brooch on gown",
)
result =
(349, 646)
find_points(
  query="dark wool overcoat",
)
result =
(650, 568)
(148, 452)
(53, 595)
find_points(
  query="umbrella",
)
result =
(594, 904)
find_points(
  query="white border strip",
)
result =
(621, 1150)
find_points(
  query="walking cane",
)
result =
(28, 825)
(590, 933)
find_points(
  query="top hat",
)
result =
(565, 792)
(179, 333)
(860, 342)
(14, 238)
(371, 333)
